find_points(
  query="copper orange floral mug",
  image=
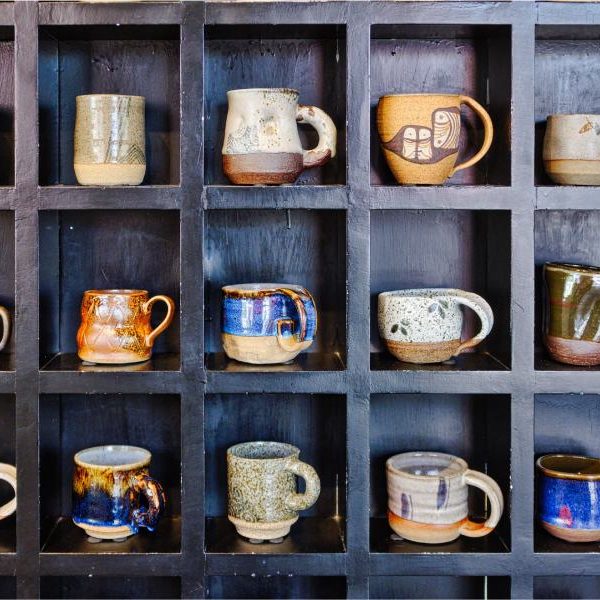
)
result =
(115, 326)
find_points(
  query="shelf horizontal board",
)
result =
(7, 197)
(544, 542)
(278, 197)
(7, 14)
(568, 13)
(471, 361)
(576, 380)
(303, 363)
(309, 535)
(73, 197)
(567, 197)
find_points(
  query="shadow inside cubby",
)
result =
(7, 106)
(7, 455)
(469, 250)
(7, 282)
(316, 424)
(303, 247)
(109, 587)
(565, 424)
(308, 58)
(473, 60)
(279, 587)
(565, 236)
(567, 79)
(438, 586)
(8, 587)
(83, 250)
(72, 422)
(111, 59)
(476, 428)
(567, 587)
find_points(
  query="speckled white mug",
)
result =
(425, 325)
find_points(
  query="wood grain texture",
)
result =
(7, 112)
(568, 588)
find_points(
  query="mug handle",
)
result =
(488, 133)
(492, 490)
(5, 327)
(155, 496)
(325, 127)
(483, 311)
(147, 307)
(292, 343)
(299, 502)
(8, 473)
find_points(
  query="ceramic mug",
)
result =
(261, 481)
(267, 323)
(425, 325)
(113, 494)
(568, 496)
(420, 134)
(428, 497)
(110, 143)
(571, 150)
(8, 473)
(572, 313)
(262, 145)
(115, 326)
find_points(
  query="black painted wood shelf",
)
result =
(346, 232)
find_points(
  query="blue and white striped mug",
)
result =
(267, 323)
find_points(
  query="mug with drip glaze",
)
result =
(113, 493)
(115, 326)
(262, 144)
(428, 497)
(8, 473)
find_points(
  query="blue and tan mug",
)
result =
(113, 494)
(569, 496)
(267, 323)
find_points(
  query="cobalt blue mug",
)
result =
(267, 323)
(113, 494)
(569, 496)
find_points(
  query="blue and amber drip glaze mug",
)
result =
(267, 323)
(569, 496)
(113, 494)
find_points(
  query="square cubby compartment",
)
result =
(278, 586)
(472, 60)
(565, 424)
(7, 285)
(7, 106)
(567, 71)
(564, 236)
(308, 58)
(475, 428)
(110, 587)
(439, 586)
(567, 587)
(302, 247)
(316, 424)
(8, 587)
(72, 422)
(130, 60)
(469, 250)
(7, 456)
(90, 250)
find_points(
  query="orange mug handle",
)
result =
(147, 307)
(488, 133)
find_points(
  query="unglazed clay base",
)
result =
(573, 352)
(422, 352)
(262, 168)
(423, 533)
(112, 358)
(263, 531)
(258, 350)
(572, 535)
(116, 534)
(574, 172)
(109, 174)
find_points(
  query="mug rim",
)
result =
(293, 451)
(572, 266)
(110, 96)
(116, 292)
(414, 292)
(562, 115)
(428, 94)
(557, 474)
(391, 468)
(142, 462)
(278, 90)
(254, 289)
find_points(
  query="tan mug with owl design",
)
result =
(420, 134)
(115, 326)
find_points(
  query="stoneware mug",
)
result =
(115, 326)
(110, 143)
(425, 325)
(261, 481)
(113, 494)
(569, 496)
(267, 323)
(262, 144)
(420, 134)
(8, 473)
(572, 149)
(572, 313)
(428, 497)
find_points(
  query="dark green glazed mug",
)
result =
(572, 313)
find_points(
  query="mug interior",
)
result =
(573, 267)
(116, 292)
(570, 466)
(125, 457)
(261, 287)
(426, 464)
(263, 451)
